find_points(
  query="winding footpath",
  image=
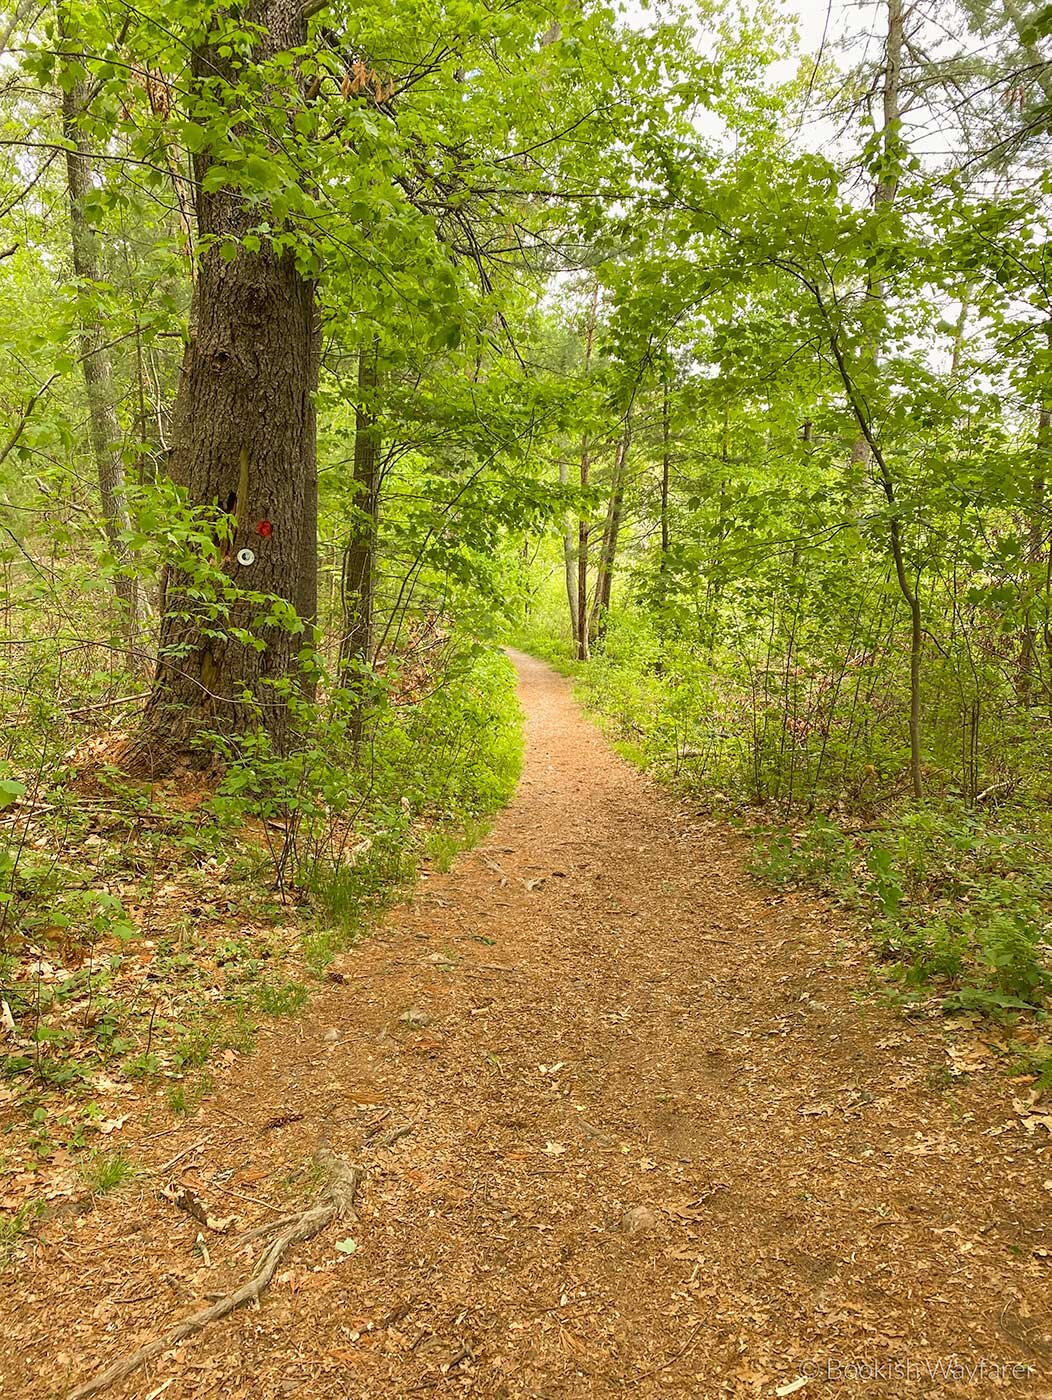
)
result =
(627, 1128)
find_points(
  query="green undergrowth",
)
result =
(14, 1226)
(958, 904)
(103, 1172)
(957, 897)
(143, 939)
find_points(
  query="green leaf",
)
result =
(10, 791)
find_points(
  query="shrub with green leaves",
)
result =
(956, 902)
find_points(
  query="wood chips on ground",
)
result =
(626, 1130)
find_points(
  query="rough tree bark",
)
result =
(104, 429)
(243, 442)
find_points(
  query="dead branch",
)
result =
(337, 1204)
(671, 1361)
(186, 1198)
(396, 1135)
(281, 1121)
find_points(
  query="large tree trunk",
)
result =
(357, 584)
(95, 363)
(243, 443)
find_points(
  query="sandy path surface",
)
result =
(653, 1145)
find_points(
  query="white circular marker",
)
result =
(246, 557)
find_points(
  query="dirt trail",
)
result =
(654, 1147)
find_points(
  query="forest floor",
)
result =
(626, 1127)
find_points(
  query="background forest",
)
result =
(345, 344)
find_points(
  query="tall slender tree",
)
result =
(358, 572)
(95, 359)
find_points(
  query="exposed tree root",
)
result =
(338, 1204)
